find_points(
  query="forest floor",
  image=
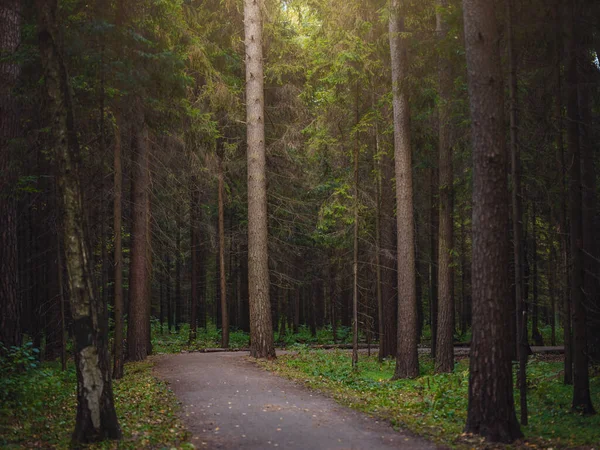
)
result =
(228, 402)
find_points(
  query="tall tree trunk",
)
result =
(355, 245)
(444, 357)
(434, 221)
(261, 326)
(10, 130)
(194, 251)
(562, 214)
(536, 336)
(389, 276)
(169, 300)
(589, 216)
(138, 317)
(178, 296)
(491, 410)
(581, 383)
(517, 217)
(96, 418)
(222, 273)
(118, 251)
(407, 360)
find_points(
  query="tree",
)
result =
(10, 130)
(581, 382)
(261, 326)
(491, 411)
(444, 354)
(407, 360)
(118, 255)
(96, 416)
(517, 217)
(138, 323)
(222, 273)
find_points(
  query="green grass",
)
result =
(435, 406)
(38, 409)
(164, 341)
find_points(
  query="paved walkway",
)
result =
(230, 403)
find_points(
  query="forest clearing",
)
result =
(381, 212)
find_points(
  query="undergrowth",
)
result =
(177, 340)
(435, 406)
(38, 405)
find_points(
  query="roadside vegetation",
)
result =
(435, 405)
(38, 404)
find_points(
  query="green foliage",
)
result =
(164, 341)
(16, 365)
(43, 414)
(435, 405)
(324, 336)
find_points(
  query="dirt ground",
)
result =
(230, 403)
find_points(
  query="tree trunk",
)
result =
(261, 326)
(96, 418)
(407, 360)
(355, 245)
(118, 251)
(10, 129)
(138, 322)
(491, 411)
(194, 251)
(581, 384)
(178, 297)
(444, 356)
(222, 273)
(517, 218)
(589, 216)
(562, 214)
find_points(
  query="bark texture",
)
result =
(10, 130)
(261, 326)
(138, 325)
(387, 226)
(491, 411)
(581, 382)
(118, 253)
(407, 361)
(222, 273)
(96, 417)
(444, 356)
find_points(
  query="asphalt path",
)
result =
(228, 402)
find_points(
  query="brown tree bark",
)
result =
(581, 384)
(138, 326)
(444, 356)
(388, 262)
(562, 213)
(261, 326)
(517, 217)
(355, 292)
(222, 273)
(10, 130)
(194, 251)
(491, 410)
(407, 360)
(118, 251)
(96, 418)
(178, 297)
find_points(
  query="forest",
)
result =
(393, 203)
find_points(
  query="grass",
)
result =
(38, 405)
(434, 406)
(164, 341)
